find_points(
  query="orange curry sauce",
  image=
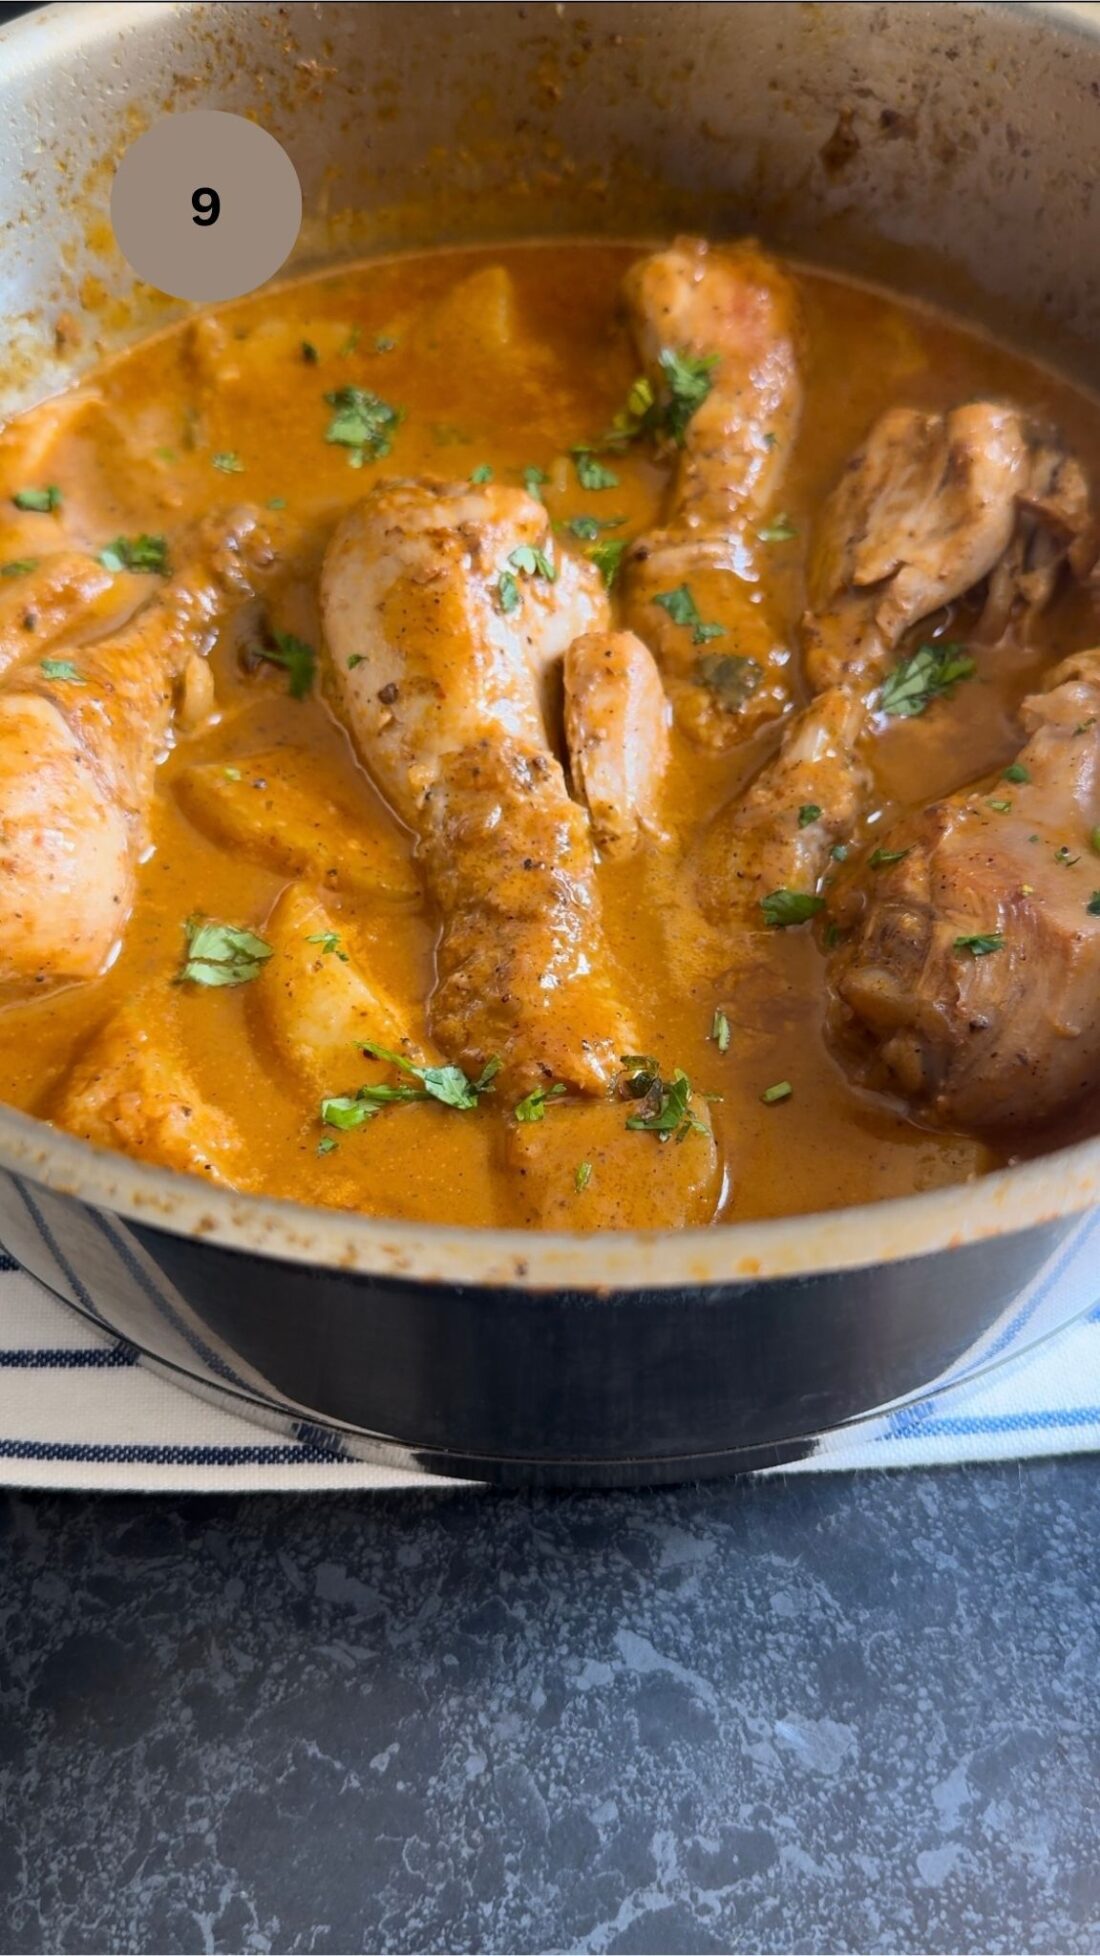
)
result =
(512, 386)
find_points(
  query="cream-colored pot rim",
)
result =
(1009, 1200)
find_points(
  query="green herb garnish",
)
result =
(19, 567)
(228, 462)
(880, 858)
(730, 677)
(782, 908)
(781, 1091)
(62, 669)
(363, 423)
(582, 1175)
(667, 1111)
(143, 553)
(608, 558)
(682, 610)
(329, 940)
(533, 480)
(930, 673)
(533, 1106)
(220, 954)
(587, 528)
(447, 1084)
(1017, 772)
(689, 378)
(40, 501)
(720, 1030)
(1063, 858)
(532, 562)
(591, 474)
(1093, 904)
(982, 944)
(808, 813)
(507, 592)
(482, 473)
(326, 1144)
(309, 353)
(297, 659)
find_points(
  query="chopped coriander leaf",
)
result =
(608, 558)
(808, 813)
(40, 501)
(229, 462)
(668, 1112)
(1085, 726)
(1064, 859)
(507, 592)
(782, 908)
(19, 567)
(533, 1105)
(635, 418)
(297, 659)
(532, 562)
(999, 806)
(781, 1091)
(355, 659)
(383, 343)
(730, 677)
(1017, 772)
(981, 944)
(444, 1083)
(533, 480)
(142, 553)
(689, 378)
(587, 528)
(329, 940)
(839, 852)
(582, 1175)
(276, 502)
(929, 673)
(1093, 904)
(482, 473)
(720, 1031)
(326, 1144)
(833, 935)
(232, 773)
(220, 954)
(682, 610)
(62, 669)
(591, 474)
(771, 441)
(309, 353)
(352, 341)
(363, 423)
(780, 531)
(880, 858)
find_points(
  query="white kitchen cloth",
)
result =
(78, 1409)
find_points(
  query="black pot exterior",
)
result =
(519, 1386)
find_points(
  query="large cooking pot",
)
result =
(955, 150)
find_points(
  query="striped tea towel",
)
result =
(79, 1409)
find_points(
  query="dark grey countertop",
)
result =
(832, 1713)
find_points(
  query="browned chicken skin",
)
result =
(969, 977)
(439, 681)
(735, 306)
(927, 508)
(616, 733)
(77, 758)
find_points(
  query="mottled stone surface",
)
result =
(853, 1714)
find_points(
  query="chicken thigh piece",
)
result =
(925, 510)
(80, 738)
(717, 327)
(443, 605)
(616, 734)
(969, 975)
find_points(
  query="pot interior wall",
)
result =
(954, 149)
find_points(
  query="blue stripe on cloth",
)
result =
(275, 1455)
(960, 1424)
(68, 1358)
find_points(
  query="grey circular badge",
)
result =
(206, 205)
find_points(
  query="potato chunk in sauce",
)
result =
(503, 368)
